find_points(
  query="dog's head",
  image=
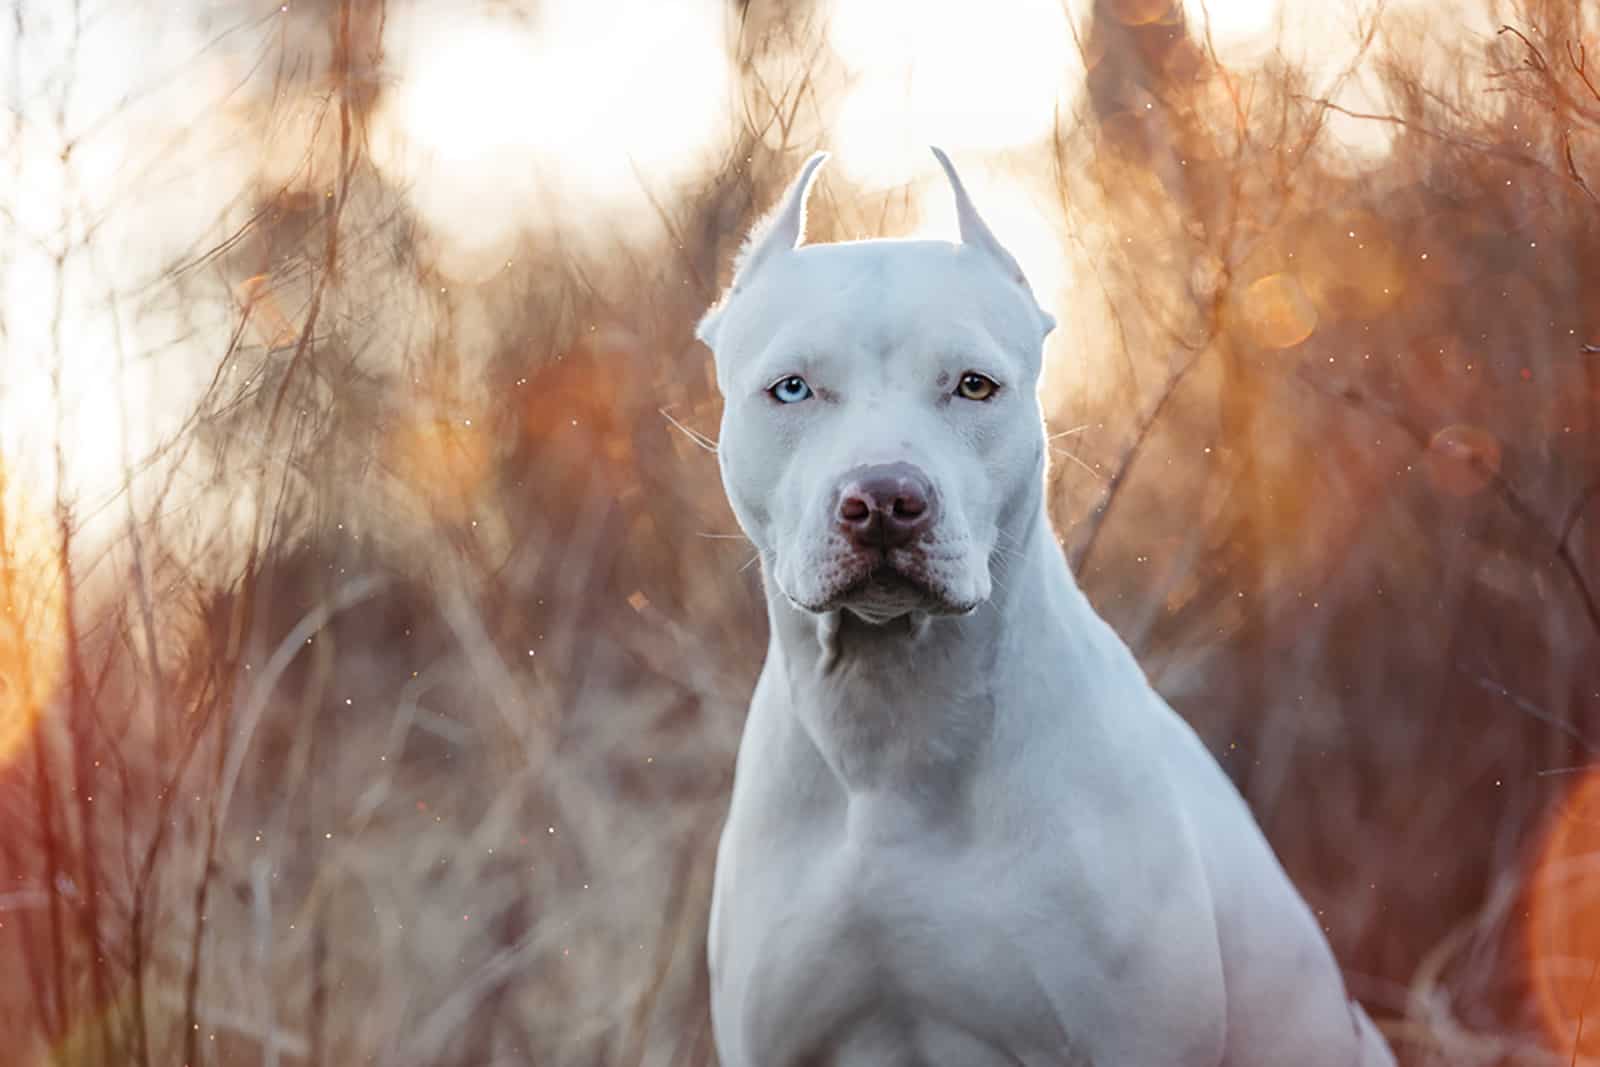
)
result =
(881, 438)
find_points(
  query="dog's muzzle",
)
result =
(886, 517)
(887, 506)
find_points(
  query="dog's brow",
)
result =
(983, 356)
(785, 359)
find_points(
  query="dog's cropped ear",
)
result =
(781, 231)
(976, 232)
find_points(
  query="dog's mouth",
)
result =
(886, 593)
(888, 586)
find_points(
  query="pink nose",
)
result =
(886, 506)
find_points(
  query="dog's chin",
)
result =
(882, 594)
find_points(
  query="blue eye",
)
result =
(790, 390)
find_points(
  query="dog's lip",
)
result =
(884, 575)
(887, 582)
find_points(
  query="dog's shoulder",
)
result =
(1285, 989)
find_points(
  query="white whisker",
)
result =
(694, 435)
(1063, 452)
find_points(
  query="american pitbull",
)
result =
(965, 831)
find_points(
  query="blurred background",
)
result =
(374, 637)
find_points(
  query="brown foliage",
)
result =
(408, 731)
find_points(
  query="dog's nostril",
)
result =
(887, 506)
(909, 507)
(854, 509)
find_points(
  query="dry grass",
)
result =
(388, 714)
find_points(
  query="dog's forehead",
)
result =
(878, 292)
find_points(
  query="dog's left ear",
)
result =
(779, 232)
(976, 232)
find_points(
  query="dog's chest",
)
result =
(882, 951)
(852, 936)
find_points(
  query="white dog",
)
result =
(964, 830)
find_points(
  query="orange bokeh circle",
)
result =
(1461, 460)
(1276, 311)
(1563, 923)
(1145, 12)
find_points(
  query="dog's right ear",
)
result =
(781, 231)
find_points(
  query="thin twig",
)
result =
(1130, 458)
(1513, 500)
(1527, 706)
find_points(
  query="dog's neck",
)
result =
(913, 706)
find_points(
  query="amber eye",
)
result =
(975, 386)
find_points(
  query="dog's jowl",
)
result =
(964, 829)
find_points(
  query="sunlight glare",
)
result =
(123, 171)
(1326, 40)
(962, 74)
(105, 387)
(496, 128)
(1019, 219)
(1241, 30)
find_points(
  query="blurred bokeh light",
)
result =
(1564, 920)
(372, 623)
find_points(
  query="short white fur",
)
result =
(964, 829)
